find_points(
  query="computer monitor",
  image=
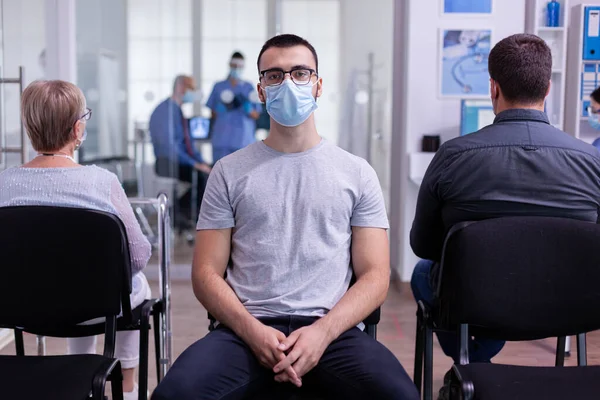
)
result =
(199, 128)
(475, 114)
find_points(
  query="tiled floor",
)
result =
(396, 331)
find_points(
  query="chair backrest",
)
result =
(522, 278)
(61, 266)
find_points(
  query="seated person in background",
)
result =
(292, 212)
(173, 146)
(518, 166)
(54, 114)
(234, 114)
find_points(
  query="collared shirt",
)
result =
(519, 165)
(167, 134)
(233, 128)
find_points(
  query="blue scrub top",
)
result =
(166, 132)
(233, 129)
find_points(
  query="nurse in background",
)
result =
(235, 109)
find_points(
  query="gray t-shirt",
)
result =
(292, 217)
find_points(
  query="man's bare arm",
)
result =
(211, 256)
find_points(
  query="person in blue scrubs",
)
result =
(594, 114)
(235, 109)
(176, 155)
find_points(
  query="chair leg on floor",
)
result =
(418, 370)
(428, 379)
(157, 327)
(19, 345)
(143, 370)
(116, 383)
(560, 351)
(581, 350)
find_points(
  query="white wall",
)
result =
(425, 112)
(101, 27)
(24, 38)
(367, 26)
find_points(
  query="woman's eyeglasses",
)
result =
(87, 115)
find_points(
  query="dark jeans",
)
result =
(221, 366)
(183, 173)
(480, 349)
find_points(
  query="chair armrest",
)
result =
(463, 382)
(373, 318)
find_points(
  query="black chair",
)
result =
(84, 225)
(518, 279)
(61, 267)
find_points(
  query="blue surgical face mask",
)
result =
(188, 97)
(594, 120)
(289, 104)
(236, 73)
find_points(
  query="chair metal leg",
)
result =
(581, 350)
(418, 370)
(560, 351)
(157, 326)
(116, 383)
(19, 345)
(41, 345)
(143, 369)
(371, 330)
(428, 379)
(463, 349)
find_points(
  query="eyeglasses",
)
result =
(87, 115)
(276, 76)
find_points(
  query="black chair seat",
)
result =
(51, 377)
(98, 329)
(501, 382)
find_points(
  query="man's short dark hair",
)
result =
(237, 54)
(286, 41)
(596, 95)
(522, 66)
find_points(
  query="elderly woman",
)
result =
(55, 114)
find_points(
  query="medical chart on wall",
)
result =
(467, 6)
(464, 63)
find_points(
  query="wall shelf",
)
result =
(551, 29)
(556, 39)
(576, 121)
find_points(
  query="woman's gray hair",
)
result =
(49, 111)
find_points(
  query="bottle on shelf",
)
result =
(553, 9)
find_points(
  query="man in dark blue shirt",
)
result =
(176, 155)
(519, 165)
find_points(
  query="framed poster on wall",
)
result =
(464, 62)
(467, 7)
